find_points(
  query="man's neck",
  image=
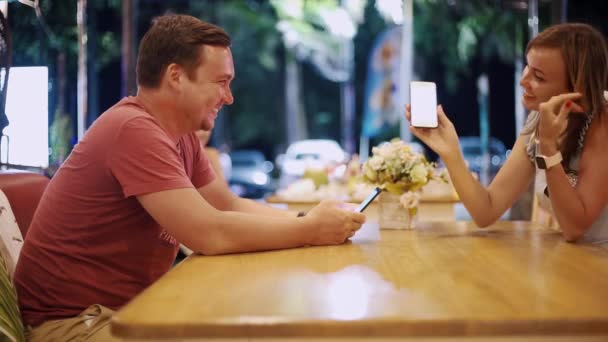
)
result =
(162, 108)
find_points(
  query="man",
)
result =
(110, 220)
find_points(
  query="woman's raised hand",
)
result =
(554, 116)
(443, 139)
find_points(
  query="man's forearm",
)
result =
(235, 232)
(249, 206)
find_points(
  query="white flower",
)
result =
(375, 162)
(410, 199)
(396, 166)
(369, 173)
(419, 174)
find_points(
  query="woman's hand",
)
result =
(443, 139)
(554, 118)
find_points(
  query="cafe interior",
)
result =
(319, 93)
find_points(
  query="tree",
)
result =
(52, 40)
(255, 117)
(320, 32)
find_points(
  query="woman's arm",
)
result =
(487, 205)
(484, 205)
(577, 208)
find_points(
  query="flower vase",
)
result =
(393, 215)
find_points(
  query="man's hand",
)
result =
(332, 225)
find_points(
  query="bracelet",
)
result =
(301, 213)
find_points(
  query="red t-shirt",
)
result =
(90, 241)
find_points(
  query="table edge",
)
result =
(367, 328)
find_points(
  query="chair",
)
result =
(20, 193)
(23, 190)
(543, 216)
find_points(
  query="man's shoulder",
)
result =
(128, 112)
(126, 109)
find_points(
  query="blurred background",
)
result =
(318, 83)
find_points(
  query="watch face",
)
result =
(540, 162)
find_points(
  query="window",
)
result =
(28, 115)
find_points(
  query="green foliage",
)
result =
(34, 43)
(450, 41)
(60, 134)
(255, 117)
(321, 32)
(466, 31)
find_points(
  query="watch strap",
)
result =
(545, 163)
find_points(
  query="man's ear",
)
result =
(173, 75)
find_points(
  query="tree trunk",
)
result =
(129, 9)
(347, 102)
(93, 79)
(483, 91)
(294, 106)
(522, 209)
(81, 22)
(347, 97)
(61, 83)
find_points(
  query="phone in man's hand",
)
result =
(368, 200)
(423, 104)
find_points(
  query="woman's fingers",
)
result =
(569, 96)
(565, 110)
(575, 107)
(558, 101)
(419, 133)
(442, 118)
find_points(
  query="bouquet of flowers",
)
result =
(396, 168)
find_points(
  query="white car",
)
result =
(250, 173)
(309, 154)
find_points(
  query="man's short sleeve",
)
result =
(203, 173)
(145, 160)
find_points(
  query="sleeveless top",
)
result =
(598, 232)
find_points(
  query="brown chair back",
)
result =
(23, 190)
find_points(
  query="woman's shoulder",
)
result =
(531, 123)
(528, 132)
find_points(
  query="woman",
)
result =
(220, 162)
(562, 140)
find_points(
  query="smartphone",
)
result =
(368, 200)
(423, 104)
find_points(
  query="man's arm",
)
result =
(186, 215)
(219, 195)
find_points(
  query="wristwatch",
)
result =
(545, 163)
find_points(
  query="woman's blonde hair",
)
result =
(585, 55)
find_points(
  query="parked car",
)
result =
(471, 150)
(250, 176)
(308, 154)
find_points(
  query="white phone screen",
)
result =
(423, 98)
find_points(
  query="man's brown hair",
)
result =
(585, 55)
(176, 39)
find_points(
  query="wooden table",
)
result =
(438, 281)
(438, 208)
